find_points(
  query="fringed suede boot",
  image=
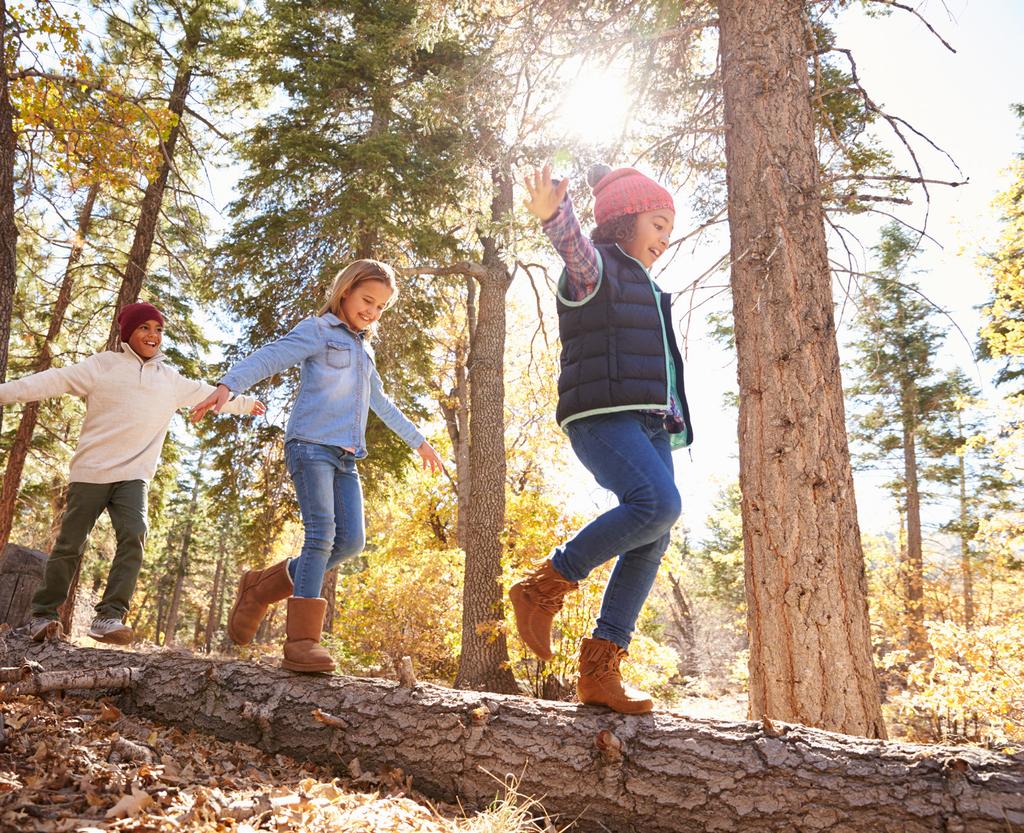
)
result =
(535, 601)
(600, 683)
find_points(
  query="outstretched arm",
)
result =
(278, 356)
(193, 394)
(77, 379)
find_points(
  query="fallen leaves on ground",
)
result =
(80, 766)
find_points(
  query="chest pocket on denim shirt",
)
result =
(338, 355)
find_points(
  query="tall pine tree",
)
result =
(899, 400)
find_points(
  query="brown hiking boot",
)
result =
(535, 601)
(600, 683)
(303, 651)
(257, 590)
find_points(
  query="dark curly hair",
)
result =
(620, 230)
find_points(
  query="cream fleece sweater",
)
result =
(128, 408)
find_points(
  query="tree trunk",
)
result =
(913, 564)
(149, 212)
(66, 612)
(456, 415)
(186, 549)
(682, 618)
(21, 573)
(330, 592)
(213, 615)
(810, 646)
(26, 426)
(8, 228)
(669, 774)
(484, 660)
(966, 568)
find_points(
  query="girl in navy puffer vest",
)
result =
(622, 404)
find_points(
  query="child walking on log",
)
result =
(130, 396)
(621, 403)
(324, 439)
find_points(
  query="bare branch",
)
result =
(464, 267)
(918, 15)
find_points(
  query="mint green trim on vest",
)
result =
(597, 286)
(652, 406)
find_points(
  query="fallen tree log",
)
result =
(658, 773)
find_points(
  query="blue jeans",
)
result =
(629, 455)
(331, 502)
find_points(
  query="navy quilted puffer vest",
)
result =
(617, 345)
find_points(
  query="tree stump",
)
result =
(21, 572)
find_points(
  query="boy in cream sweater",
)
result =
(130, 397)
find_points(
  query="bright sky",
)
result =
(962, 102)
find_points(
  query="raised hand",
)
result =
(545, 196)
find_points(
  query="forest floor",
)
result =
(80, 765)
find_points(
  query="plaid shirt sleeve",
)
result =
(581, 261)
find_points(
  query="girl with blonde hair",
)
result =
(326, 435)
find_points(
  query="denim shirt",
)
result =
(338, 384)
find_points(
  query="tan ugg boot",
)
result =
(302, 650)
(257, 590)
(535, 601)
(600, 683)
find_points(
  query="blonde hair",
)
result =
(357, 272)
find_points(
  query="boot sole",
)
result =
(647, 710)
(593, 702)
(307, 668)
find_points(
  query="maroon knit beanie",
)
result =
(625, 191)
(133, 315)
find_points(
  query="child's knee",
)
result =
(135, 529)
(316, 546)
(348, 546)
(666, 507)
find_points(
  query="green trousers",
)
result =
(125, 502)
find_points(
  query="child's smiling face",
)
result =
(146, 339)
(650, 239)
(364, 304)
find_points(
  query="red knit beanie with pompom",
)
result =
(625, 191)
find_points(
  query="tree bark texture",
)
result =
(455, 407)
(8, 228)
(149, 212)
(27, 424)
(810, 657)
(484, 660)
(657, 773)
(21, 573)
